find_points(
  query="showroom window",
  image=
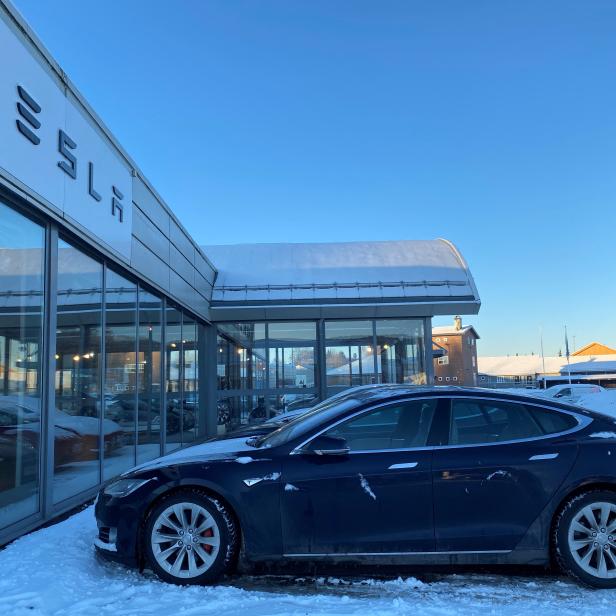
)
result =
(149, 376)
(22, 246)
(292, 354)
(400, 351)
(190, 426)
(181, 379)
(120, 377)
(264, 370)
(349, 354)
(173, 379)
(77, 376)
(382, 351)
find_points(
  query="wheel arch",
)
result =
(574, 491)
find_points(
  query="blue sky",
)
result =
(492, 124)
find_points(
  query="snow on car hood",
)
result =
(84, 425)
(212, 450)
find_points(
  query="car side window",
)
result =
(552, 421)
(474, 422)
(398, 426)
(564, 393)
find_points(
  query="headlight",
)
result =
(124, 487)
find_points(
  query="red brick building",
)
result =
(458, 366)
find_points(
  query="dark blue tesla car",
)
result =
(381, 475)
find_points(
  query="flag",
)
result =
(566, 344)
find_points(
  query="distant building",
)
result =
(535, 371)
(595, 348)
(457, 363)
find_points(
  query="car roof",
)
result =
(372, 393)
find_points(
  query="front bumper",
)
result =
(118, 530)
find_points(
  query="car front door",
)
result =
(504, 462)
(375, 499)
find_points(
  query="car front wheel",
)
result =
(190, 538)
(585, 538)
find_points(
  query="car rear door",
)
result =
(498, 472)
(376, 499)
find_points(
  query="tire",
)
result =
(584, 538)
(190, 538)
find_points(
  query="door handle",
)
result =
(393, 467)
(543, 456)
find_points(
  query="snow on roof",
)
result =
(402, 269)
(528, 365)
(450, 330)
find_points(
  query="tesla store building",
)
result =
(121, 339)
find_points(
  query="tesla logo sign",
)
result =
(26, 108)
(29, 123)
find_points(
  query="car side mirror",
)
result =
(327, 446)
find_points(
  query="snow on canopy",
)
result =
(410, 269)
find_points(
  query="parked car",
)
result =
(18, 463)
(571, 393)
(21, 426)
(76, 436)
(383, 475)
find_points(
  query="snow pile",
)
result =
(54, 572)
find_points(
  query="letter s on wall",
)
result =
(65, 145)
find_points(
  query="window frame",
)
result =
(582, 422)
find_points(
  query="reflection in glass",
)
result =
(291, 367)
(21, 314)
(190, 406)
(173, 377)
(120, 372)
(149, 377)
(400, 348)
(238, 410)
(242, 358)
(77, 379)
(349, 353)
(291, 354)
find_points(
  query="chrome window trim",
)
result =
(583, 422)
(434, 553)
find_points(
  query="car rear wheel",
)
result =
(585, 538)
(190, 538)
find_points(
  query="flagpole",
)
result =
(542, 356)
(567, 354)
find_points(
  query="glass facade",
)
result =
(378, 351)
(98, 372)
(22, 259)
(265, 369)
(149, 376)
(120, 382)
(121, 363)
(77, 374)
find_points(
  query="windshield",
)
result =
(307, 421)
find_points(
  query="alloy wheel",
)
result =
(185, 540)
(592, 539)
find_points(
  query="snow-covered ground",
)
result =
(54, 572)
